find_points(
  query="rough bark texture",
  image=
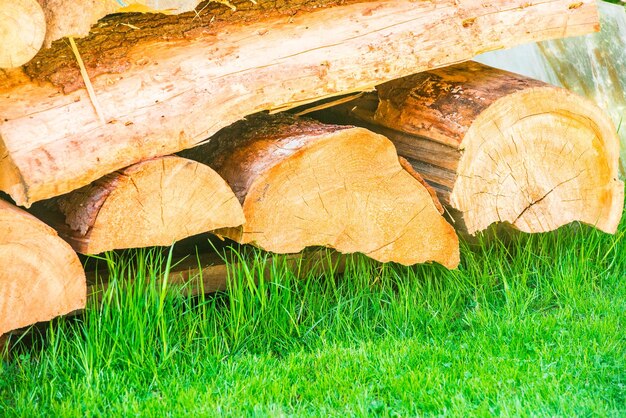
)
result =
(41, 276)
(499, 147)
(76, 17)
(176, 80)
(22, 30)
(302, 183)
(155, 202)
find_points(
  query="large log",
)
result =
(500, 147)
(152, 203)
(41, 276)
(302, 183)
(165, 83)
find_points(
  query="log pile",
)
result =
(500, 147)
(176, 80)
(153, 128)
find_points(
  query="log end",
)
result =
(41, 276)
(347, 190)
(22, 31)
(156, 202)
(539, 159)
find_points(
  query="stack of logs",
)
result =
(104, 144)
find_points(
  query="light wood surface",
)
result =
(41, 276)
(302, 183)
(500, 147)
(152, 203)
(166, 83)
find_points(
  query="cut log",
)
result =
(302, 183)
(41, 276)
(177, 80)
(22, 31)
(500, 147)
(152, 203)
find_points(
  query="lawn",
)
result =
(533, 325)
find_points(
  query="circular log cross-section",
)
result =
(41, 277)
(500, 147)
(540, 159)
(302, 183)
(533, 155)
(22, 31)
(152, 203)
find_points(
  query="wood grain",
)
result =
(167, 87)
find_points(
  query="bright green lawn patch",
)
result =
(535, 326)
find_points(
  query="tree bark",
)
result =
(166, 83)
(76, 17)
(302, 183)
(22, 31)
(41, 277)
(152, 203)
(500, 147)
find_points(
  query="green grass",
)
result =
(534, 326)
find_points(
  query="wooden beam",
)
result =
(165, 83)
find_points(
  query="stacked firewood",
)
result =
(153, 128)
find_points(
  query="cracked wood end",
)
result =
(41, 277)
(303, 183)
(500, 147)
(155, 202)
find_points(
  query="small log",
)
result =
(41, 276)
(152, 203)
(165, 83)
(22, 31)
(302, 183)
(500, 147)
